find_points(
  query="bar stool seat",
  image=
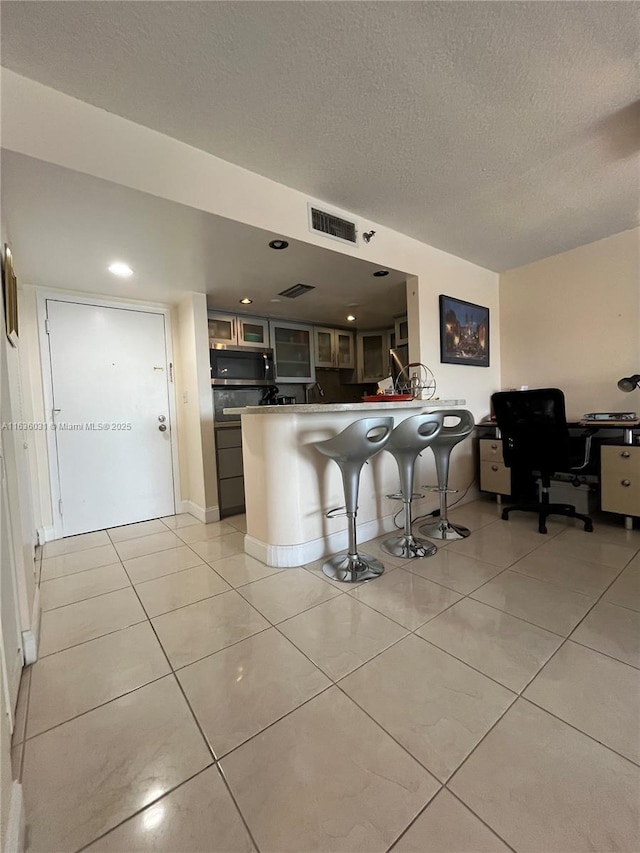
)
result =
(442, 446)
(406, 443)
(350, 449)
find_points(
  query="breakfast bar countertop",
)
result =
(289, 485)
(321, 408)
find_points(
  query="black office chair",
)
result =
(535, 438)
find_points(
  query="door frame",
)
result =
(42, 295)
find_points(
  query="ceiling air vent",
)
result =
(322, 222)
(296, 290)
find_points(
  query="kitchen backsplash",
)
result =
(335, 392)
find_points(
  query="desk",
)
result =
(619, 478)
(619, 470)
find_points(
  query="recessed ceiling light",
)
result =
(351, 318)
(120, 269)
(381, 273)
(246, 301)
(278, 244)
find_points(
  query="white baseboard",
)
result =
(31, 638)
(206, 516)
(288, 556)
(46, 534)
(15, 830)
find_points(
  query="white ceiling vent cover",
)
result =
(330, 225)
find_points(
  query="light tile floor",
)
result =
(189, 698)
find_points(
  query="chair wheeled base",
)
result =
(543, 510)
(352, 568)
(444, 529)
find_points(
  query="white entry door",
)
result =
(111, 410)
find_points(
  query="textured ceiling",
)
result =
(499, 131)
(65, 229)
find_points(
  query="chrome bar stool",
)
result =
(407, 441)
(442, 446)
(350, 449)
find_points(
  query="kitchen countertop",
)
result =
(320, 408)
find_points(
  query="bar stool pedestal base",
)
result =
(360, 567)
(443, 529)
(408, 547)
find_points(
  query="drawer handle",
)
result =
(625, 454)
(625, 482)
(494, 446)
(494, 467)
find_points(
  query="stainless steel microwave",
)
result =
(246, 366)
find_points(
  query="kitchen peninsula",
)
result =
(289, 485)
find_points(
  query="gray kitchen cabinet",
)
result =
(373, 354)
(237, 330)
(293, 351)
(230, 469)
(334, 348)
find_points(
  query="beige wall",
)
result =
(572, 321)
(194, 407)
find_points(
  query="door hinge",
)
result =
(170, 371)
(60, 506)
(47, 328)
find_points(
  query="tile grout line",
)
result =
(101, 705)
(142, 809)
(205, 739)
(335, 683)
(91, 639)
(520, 696)
(87, 598)
(580, 731)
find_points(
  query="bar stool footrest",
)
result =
(398, 496)
(337, 512)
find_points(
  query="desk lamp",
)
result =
(629, 383)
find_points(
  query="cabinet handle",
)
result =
(494, 446)
(625, 454)
(494, 467)
(625, 482)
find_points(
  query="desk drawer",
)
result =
(491, 450)
(621, 459)
(620, 480)
(495, 477)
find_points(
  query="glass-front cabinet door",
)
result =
(325, 350)
(222, 329)
(402, 331)
(293, 352)
(345, 348)
(334, 348)
(253, 332)
(373, 356)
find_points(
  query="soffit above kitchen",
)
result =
(501, 132)
(67, 227)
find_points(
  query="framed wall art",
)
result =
(10, 295)
(464, 332)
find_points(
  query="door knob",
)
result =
(161, 418)
(162, 427)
